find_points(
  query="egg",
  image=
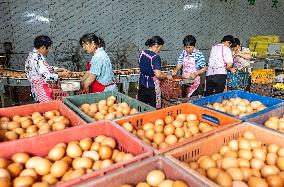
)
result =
(159, 138)
(105, 152)
(171, 139)
(82, 162)
(58, 168)
(141, 184)
(4, 173)
(50, 179)
(15, 169)
(56, 153)
(224, 179)
(213, 172)
(73, 150)
(177, 123)
(169, 129)
(42, 166)
(233, 144)
(268, 170)
(109, 142)
(106, 163)
(11, 135)
(280, 163)
(23, 181)
(207, 163)
(247, 173)
(148, 126)
(274, 181)
(155, 177)
(229, 162)
(40, 184)
(169, 119)
(257, 182)
(128, 126)
(150, 133)
(4, 163)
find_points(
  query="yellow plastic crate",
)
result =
(263, 76)
(282, 50)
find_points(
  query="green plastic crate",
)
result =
(74, 102)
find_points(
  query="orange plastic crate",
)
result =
(202, 113)
(212, 144)
(26, 110)
(40, 145)
(138, 172)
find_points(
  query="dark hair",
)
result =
(236, 42)
(102, 43)
(89, 38)
(228, 38)
(154, 40)
(42, 41)
(189, 40)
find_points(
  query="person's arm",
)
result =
(157, 69)
(245, 55)
(45, 72)
(179, 63)
(89, 79)
(84, 76)
(200, 65)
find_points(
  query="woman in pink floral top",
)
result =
(39, 72)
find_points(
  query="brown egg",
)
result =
(85, 144)
(169, 119)
(50, 179)
(128, 126)
(212, 172)
(20, 158)
(42, 166)
(159, 122)
(106, 163)
(274, 181)
(163, 145)
(150, 134)
(171, 139)
(169, 130)
(40, 184)
(82, 162)
(23, 181)
(5, 182)
(257, 182)
(29, 172)
(95, 146)
(179, 184)
(224, 179)
(179, 132)
(177, 123)
(109, 142)
(56, 153)
(58, 168)
(155, 177)
(158, 138)
(4, 163)
(15, 169)
(73, 150)
(25, 124)
(16, 118)
(13, 125)
(105, 152)
(148, 126)
(4, 173)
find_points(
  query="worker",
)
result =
(192, 62)
(149, 61)
(241, 56)
(99, 75)
(220, 59)
(40, 73)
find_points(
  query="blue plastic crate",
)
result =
(267, 101)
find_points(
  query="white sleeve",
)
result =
(228, 55)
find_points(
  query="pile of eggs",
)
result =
(27, 126)
(238, 106)
(107, 109)
(275, 123)
(244, 162)
(165, 132)
(63, 163)
(158, 178)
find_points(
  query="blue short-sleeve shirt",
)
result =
(101, 67)
(147, 67)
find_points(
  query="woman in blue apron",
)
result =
(149, 90)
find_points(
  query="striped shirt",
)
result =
(198, 56)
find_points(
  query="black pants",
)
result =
(147, 95)
(215, 84)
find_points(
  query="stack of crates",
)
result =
(260, 44)
(262, 81)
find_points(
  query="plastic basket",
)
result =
(138, 173)
(205, 115)
(259, 120)
(267, 101)
(26, 110)
(170, 89)
(212, 144)
(74, 102)
(40, 145)
(58, 94)
(237, 80)
(263, 76)
(262, 89)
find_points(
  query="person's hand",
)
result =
(169, 77)
(65, 73)
(61, 69)
(233, 70)
(193, 75)
(174, 72)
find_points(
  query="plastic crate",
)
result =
(259, 120)
(205, 115)
(237, 80)
(262, 89)
(141, 170)
(74, 102)
(40, 145)
(263, 76)
(58, 94)
(267, 101)
(26, 110)
(170, 89)
(212, 144)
